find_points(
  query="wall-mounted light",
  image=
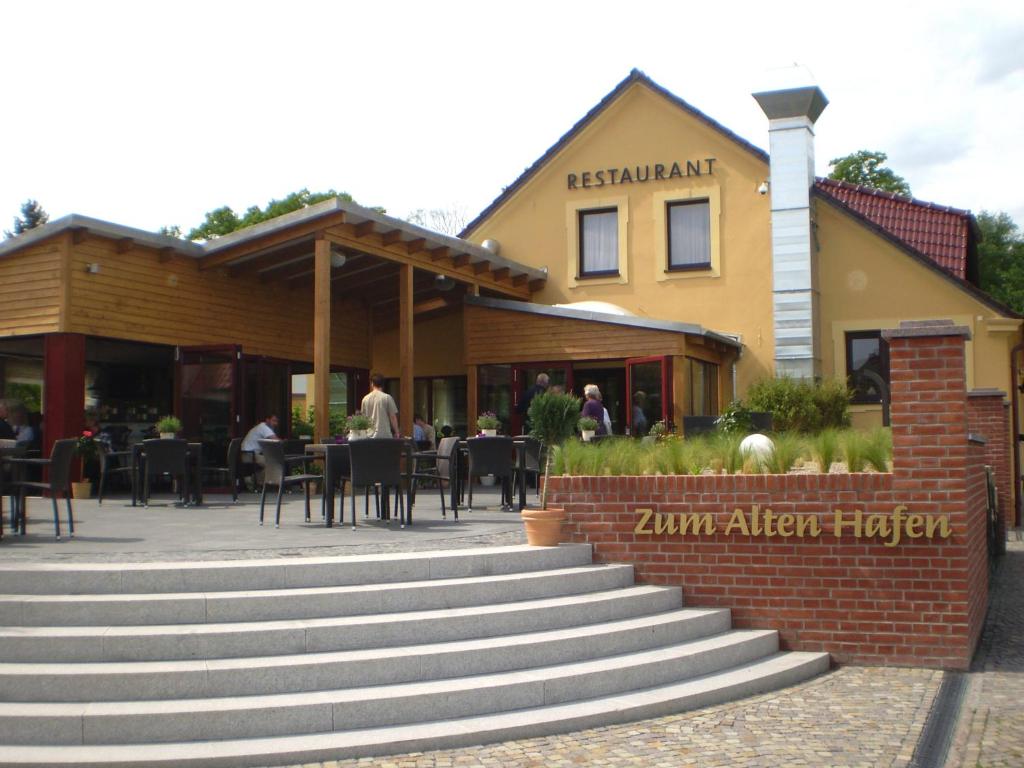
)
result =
(762, 188)
(92, 268)
(443, 283)
(338, 259)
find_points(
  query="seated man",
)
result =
(422, 433)
(251, 453)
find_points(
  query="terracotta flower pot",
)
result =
(82, 490)
(543, 526)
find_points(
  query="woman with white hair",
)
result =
(593, 407)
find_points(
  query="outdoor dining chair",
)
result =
(59, 465)
(377, 462)
(111, 463)
(530, 466)
(165, 458)
(432, 470)
(491, 456)
(230, 472)
(276, 473)
(337, 472)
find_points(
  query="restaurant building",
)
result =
(650, 250)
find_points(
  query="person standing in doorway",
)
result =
(379, 407)
(537, 389)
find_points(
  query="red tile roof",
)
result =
(941, 233)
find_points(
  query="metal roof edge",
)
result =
(600, 317)
(109, 229)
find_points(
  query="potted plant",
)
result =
(488, 423)
(302, 427)
(358, 426)
(554, 417)
(168, 427)
(86, 449)
(587, 427)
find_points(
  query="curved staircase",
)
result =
(256, 663)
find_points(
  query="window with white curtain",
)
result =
(689, 235)
(599, 242)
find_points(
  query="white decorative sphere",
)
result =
(759, 446)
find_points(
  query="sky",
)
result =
(152, 113)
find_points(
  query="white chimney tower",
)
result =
(791, 116)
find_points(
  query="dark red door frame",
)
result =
(666, 386)
(63, 389)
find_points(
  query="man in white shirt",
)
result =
(379, 407)
(251, 452)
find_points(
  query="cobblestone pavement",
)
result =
(854, 716)
(991, 728)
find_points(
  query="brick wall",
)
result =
(918, 602)
(988, 415)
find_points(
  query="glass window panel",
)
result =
(599, 242)
(867, 360)
(689, 234)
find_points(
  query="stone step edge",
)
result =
(145, 630)
(779, 670)
(277, 562)
(19, 676)
(382, 694)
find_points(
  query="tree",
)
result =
(448, 221)
(224, 220)
(32, 216)
(864, 167)
(172, 230)
(1001, 259)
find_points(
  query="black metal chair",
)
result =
(8, 449)
(165, 457)
(491, 456)
(337, 472)
(59, 465)
(276, 472)
(432, 471)
(377, 462)
(111, 463)
(230, 472)
(533, 451)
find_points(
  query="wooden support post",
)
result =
(405, 348)
(321, 338)
(472, 407)
(63, 388)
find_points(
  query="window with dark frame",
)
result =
(689, 235)
(867, 361)
(702, 387)
(599, 242)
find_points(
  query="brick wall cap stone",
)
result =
(986, 392)
(910, 329)
(976, 439)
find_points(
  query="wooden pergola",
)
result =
(345, 250)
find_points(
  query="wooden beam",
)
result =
(473, 289)
(415, 245)
(430, 305)
(287, 235)
(78, 236)
(165, 254)
(462, 260)
(522, 279)
(536, 284)
(125, 244)
(364, 228)
(322, 338)
(389, 238)
(439, 253)
(405, 346)
(288, 271)
(269, 260)
(501, 273)
(481, 267)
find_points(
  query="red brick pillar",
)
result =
(63, 387)
(936, 471)
(988, 417)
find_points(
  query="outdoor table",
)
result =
(195, 455)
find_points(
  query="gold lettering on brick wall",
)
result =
(758, 521)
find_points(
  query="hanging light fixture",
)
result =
(443, 283)
(337, 259)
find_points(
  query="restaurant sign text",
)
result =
(855, 523)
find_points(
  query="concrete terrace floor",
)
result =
(851, 716)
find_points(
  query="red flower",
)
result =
(86, 433)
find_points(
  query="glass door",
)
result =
(208, 398)
(524, 377)
(649, 387)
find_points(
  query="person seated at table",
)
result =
(251, 453)
(379, 407)
(6, 430)
(593, 407)
(422, 433)
(24, 433)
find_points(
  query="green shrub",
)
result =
(825, 448)
(735, 419)
(801, 405)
